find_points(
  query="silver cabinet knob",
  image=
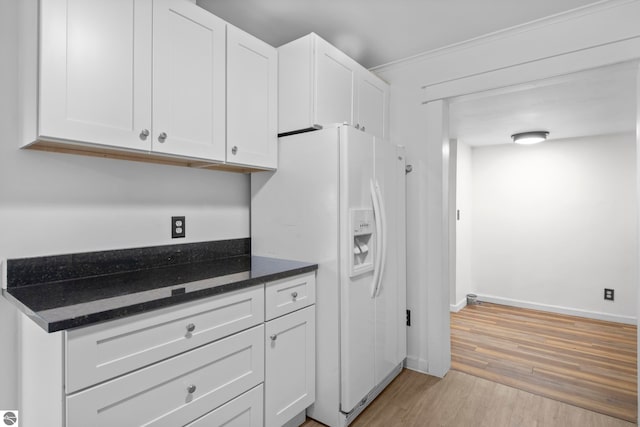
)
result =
(234, 150)
(294, 295)
(191, 327)
(357, 125)
(144, 134)
(274, 337)
(191, 389)
(162, 137)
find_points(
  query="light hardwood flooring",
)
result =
(587, 363)
(461, 400)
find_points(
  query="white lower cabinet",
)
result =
(289, 365)
(176, 391)
(212, 362)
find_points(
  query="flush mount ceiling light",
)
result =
(528, 138)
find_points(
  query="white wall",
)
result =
(56, 203)
(464, 203)
(556, 223)
(528, 50)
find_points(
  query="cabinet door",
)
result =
(188, 81)
(95, 72)
(252, 84)
(373, 94)
(334, 90)
(289, 366)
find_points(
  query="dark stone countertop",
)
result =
(80, 301)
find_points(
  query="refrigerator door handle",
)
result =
(378, 251)
(383, 220)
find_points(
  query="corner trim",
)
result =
(454, 308)
(416, 364)
(505, 33)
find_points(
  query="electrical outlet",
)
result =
(177, 227)
(408, 317)
(608, 294)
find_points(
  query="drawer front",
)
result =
(175, 391)
(98, 353)
(243, 411)
(291, 294)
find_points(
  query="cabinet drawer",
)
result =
(285, 296)
(98, 353)
(175, 391)
(243, 411)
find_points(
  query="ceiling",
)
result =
(596, 102)
(376, 32)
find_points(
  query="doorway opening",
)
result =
(548, 227)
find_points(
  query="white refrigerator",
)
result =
(338, 199)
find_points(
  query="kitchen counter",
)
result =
(67, 291)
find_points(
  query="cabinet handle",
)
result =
(274, 337)
(191, 327)
(294, 295)
(162, 137)
(357, 125)
(144, 134)
(191, 389)
(234, 150)
(362, 128)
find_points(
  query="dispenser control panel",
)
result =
(362, 229)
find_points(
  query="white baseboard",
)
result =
(416, 364)
(630, 320)
(454, 308)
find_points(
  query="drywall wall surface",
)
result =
(464, 221)
(54, 203)
(616, 22)
(556, 223)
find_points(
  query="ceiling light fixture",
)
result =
(528, 138)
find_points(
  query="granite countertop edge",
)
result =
(146, 306)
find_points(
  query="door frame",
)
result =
(439, 200)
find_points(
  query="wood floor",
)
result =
(462, 400)
(583, 362)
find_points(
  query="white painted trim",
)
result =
(417, 365)
(505, 33)
(454, 308)
(559, 309)
(544, 68)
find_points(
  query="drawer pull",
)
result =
(274, 337)
(191, 389)
(191, 327)
(294, 295)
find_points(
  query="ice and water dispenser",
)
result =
(361, 238)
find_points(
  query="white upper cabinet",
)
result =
(252, 100)
(95, 72)
(334, 87)
(319, 85)
(373, 104)
(188, 81)
(148, 80)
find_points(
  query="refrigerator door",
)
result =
(389, 176)
(357, 309)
